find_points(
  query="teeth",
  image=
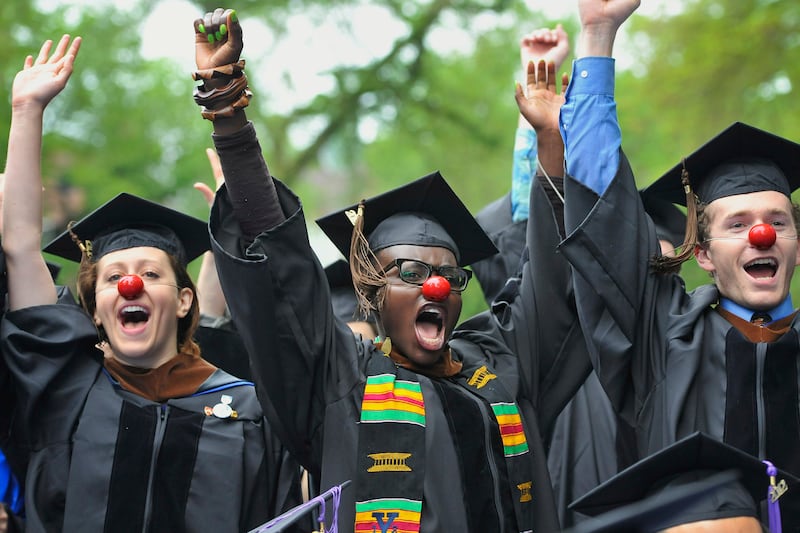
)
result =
(134, 309)
(764, 261)
(433, 310)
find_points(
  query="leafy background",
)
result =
(128, 122)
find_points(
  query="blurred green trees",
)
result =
(437, 93)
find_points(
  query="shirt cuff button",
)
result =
(584, 74)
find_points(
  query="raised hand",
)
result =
(540, 103)
(41, 79)
(210, 297)
(219, 178)
(218, 39)
(544, 43)
(609, 13)
(600, 20)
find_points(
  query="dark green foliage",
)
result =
(127, 123)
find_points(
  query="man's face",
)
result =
(753, 277)
(419, 328)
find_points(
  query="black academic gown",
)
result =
(313, 370)
(221, 345)
(509, 238)
(104, 459)
(588, 442)
(670, 363)
(15, 459)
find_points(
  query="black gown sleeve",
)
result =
(535, 316)
(302, 358)
(624, 306)
(51, 355)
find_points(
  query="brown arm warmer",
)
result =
(250, 186)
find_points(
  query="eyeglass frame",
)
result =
(431, 270)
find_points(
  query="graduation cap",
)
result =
(54, 269)
(425, 212)
(681, 484)
(670, 221)
(222, 346)
(128, 221)
(343, 296)
(740, 159)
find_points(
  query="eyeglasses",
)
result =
(416, 272)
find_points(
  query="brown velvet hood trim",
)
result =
(755, 333)
(179, 377)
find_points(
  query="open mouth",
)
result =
(430, 328)
(131, 315)
(762, 268)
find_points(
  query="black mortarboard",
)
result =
(222, 346)
(343, 294)
(54, 268)
(643, 496)
(127, 221)
(425, 212)
(741, 159)
(670, 221)
(654, 513)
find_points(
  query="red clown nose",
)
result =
(762, 235)
(436, 288)
(130, 286)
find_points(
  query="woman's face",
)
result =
(419, 327)
(142, 330)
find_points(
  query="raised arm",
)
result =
(600, 20)
(540, 103)
(223, 95)
(210, 297)
(552, 46)
(40, 80)
(619, 301)
(260, 244)
(589, 123)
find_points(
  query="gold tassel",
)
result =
(85, 246)
(368, 281)
(664, 264)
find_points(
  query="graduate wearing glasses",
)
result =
(437, 426)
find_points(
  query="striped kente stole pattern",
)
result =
(391, 451)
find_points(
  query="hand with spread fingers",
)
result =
(41, 79)
(543, 101)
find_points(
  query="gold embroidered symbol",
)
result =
(525, 492)
(389, 462)
(481, 377)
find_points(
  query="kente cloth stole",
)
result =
(479, 379)
(391, 447)
(391, 450)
